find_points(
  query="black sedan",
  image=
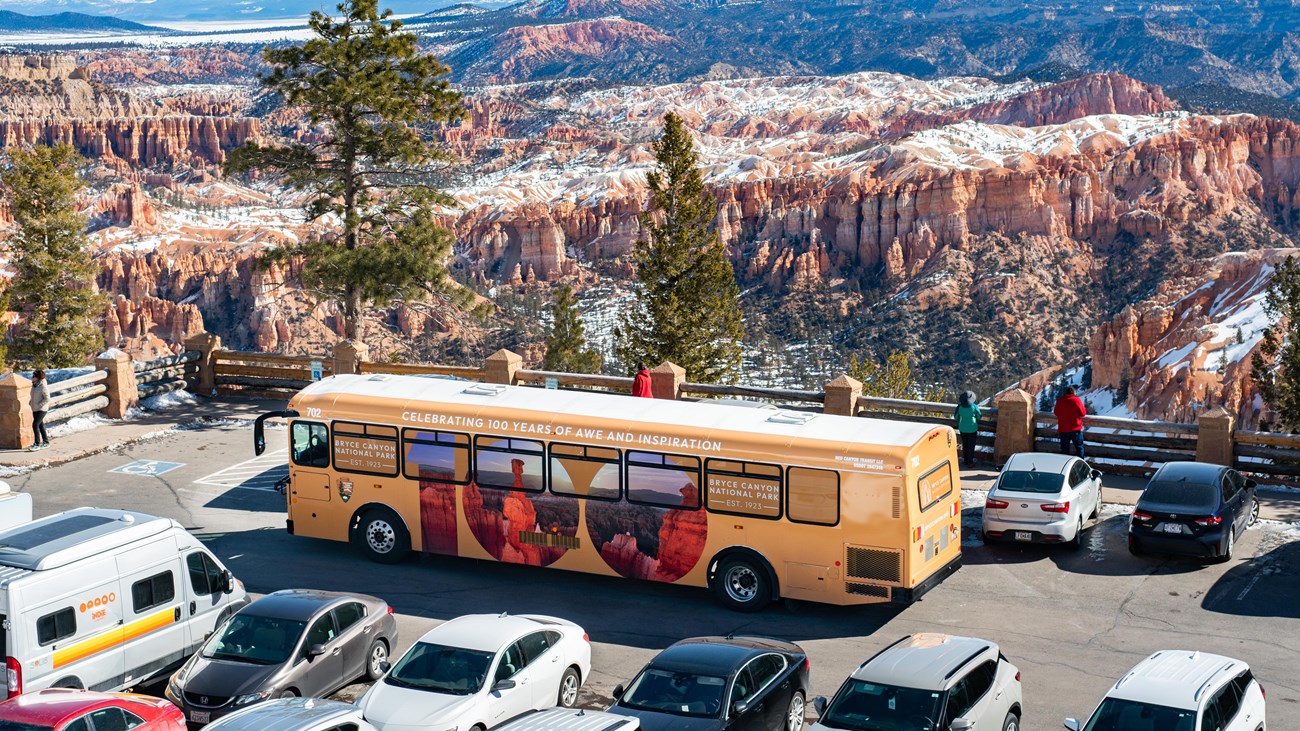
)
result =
(715, 683)
(1193, 508)
(291, 643)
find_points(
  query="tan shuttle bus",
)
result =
(753, 503)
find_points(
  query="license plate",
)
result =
(200, 716)
(1023, 536)
(1172, 528)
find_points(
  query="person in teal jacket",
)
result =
(967, 415)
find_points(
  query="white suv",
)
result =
(930, 681)
(1178, 690)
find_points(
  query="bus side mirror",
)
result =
(259, 428)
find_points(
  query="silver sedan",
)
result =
(1042, 498)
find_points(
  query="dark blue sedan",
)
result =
(716, 683)
(1195, 509)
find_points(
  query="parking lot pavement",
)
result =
(1073, 622)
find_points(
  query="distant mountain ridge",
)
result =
(11, 22)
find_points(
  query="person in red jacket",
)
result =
(641, 383)
(1069, 421)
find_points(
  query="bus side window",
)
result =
(586, 472)
(309, 444)
(663, 480)
(439, 456)
(509, 464)
(812, 496)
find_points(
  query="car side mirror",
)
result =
(385, 666)
(1072, 724)
(962, 724)
(819, 703)
(315, 651)
(501, 685)
(1096, 474)
(740, 707)
(1251, 484)
(617, 692)
(227, 582)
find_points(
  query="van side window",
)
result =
(309, 444)
(153, 591)
(56, 626)
(205, 575)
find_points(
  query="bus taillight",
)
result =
(916, 534)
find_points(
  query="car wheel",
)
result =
(375, 660)
(794, 715)
(569, 685)
(382, 537)
(1134, 547)
(742, 585)
(1011, 722)
(1226, 556)
(288, 693)
(1254, 512)
(1077, 542)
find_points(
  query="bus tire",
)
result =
(382, 536)
(742, 583)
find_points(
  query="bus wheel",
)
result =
(382, 537)
(742, 585)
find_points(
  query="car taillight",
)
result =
(807, 664)
(1017, 676)
(1262, 694)
(585, 638)
(1056, 507)
(13, 676)
(996, 504)
(1212, 520)
(390, 610)
(1141, 516)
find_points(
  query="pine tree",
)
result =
(566, 343)
(377, 98)
(687, 307)
(893, 379)
(1276, 367)
(4, 308)
(53, 287)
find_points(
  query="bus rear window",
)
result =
(812, 496)
(935, 485)
(436, 455)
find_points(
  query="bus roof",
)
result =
(416, 392)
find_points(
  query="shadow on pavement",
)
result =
(1266, 586)
(256, 493)
(628, 612)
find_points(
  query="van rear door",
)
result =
(153, 597)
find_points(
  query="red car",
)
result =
(60, 709)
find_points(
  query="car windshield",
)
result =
(441, 669)
(16, 726)
(1030, 481)
(1115, 714)
(864, 706)
(256, 640)
(1191, 496)
(678, 693)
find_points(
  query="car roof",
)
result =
(52, 706)
(286, 714)
(571, 719)
(300, 603)
(926, 661)
(1038, 462)
(1191, 471)
(1176, 678)
(489, 632)
(713, 655)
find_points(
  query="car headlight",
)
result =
(173, 687)
(260, 695)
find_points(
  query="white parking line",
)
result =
(260, 473)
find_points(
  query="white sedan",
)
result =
(478, 671)
(1042, 498)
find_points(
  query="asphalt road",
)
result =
(1072, 622)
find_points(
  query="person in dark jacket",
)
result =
(40, 401)
(1069, 421)
(641, 383)
(967, 415)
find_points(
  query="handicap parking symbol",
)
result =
(147, 467)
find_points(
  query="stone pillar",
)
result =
(15, 412)
(1214, 437)
(666, 380)
(349, 355)
(122, 392)
(842, 396)
(207, 345)
(1016, 424)
(501, 367)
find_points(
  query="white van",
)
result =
(106, 599)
